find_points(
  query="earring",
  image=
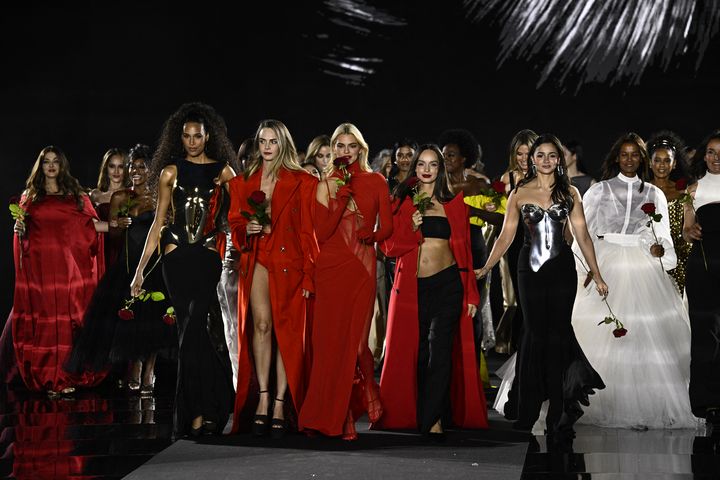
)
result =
(533, 168)
(560, 170)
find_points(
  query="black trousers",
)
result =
(440, 304)
(204, 381)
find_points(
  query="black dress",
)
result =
(192, 272)
(106, 340)
(551, 364)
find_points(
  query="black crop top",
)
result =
(434, 226)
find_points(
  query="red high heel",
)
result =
(349, 432)
(372, 399)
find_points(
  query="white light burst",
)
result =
(600, 40)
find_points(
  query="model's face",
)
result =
(521, 157)
(454, 161)
(387, 166)
(428, 166)
(662, 163)
(312, 170)
(268, 144)
(322, 159)
(138, 172)
(570, 158)
(51, 165)
(116, 169)
(546, 158)
(712, 156)
(629, 159)
(403, 157)
(347, 146)
(194, 138)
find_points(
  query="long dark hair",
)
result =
(561, 188)
(669, 141)
(170, 146)
(103, 183)
(441, 191)
(611, 166)
(67, 184)
(698, 167)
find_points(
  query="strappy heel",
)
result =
(260, 421)
(278, 426)
(349, 432)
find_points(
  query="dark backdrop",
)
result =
(87, 78)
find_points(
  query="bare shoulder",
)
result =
(168, 174)
(95, 195)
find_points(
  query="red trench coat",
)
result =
(398, 383)
(291, 262)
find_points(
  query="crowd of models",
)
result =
(282, 281)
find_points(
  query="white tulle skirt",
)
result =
(646, 372)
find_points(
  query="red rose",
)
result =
(619, 332)
(681, 184)
(412, 182)
(257, 197)
(648, 208)
(499, 186)
(169, 319)
(126, 314)
(341, 162)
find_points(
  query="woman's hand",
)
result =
(601, 286)
(136, 284)
(306, 293)
(657, 250)
(417, 220)
(490, 207)
(472, 310)
(692, 233)
(19, 227)
(253, 227)
(481, 272)
(122, 222)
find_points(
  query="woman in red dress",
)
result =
(433, 300)
(348, 203)
(276, 275)
(58, 262)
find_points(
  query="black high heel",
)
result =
(278, 426)
(260, 421)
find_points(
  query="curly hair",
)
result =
(672, 142)
(561, 189)
(140, 151)
(170, 147)
(465, 141)
(103, 183)
(611, 166)
(698, 167)
(67, 184)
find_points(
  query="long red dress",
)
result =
(62, 261)
(291, 249)
(344, 299)
(398, 383)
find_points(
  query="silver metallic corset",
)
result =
(544, 232)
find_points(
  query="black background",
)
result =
(87, 78)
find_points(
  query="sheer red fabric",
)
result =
(398, 383)
(342, 366)
(289, 256)
(55, 277)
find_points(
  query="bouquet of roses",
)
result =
(649, 209)
(496, 192)
(421, 200)
(341, 164)
(258, 201)
(18, 214)
(687, 199)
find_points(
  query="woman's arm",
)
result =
(165, 187)
(308, 242)
(327, 220)
(580, 231)
(512, 217)
(405, 236)
(692, 231)
(118, 224)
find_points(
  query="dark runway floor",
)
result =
(110, 433)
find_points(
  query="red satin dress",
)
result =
(288, 253)
(398, 384)
(342, 365)
(62, 261)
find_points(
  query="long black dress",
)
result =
(192, 272)
(551, 364)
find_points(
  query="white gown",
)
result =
(647, 371)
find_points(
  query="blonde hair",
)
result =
(350, 129)
(523, 137)
(314, 148)
(287, 156)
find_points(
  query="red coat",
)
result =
(398, 384)
(291, 264)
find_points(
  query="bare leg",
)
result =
(262, 333)
(149, 372)
(278, 411)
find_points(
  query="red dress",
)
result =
(344, 299)
(289, 256)
(62, 261)
(398, 383)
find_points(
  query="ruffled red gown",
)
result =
(399, 383)
(289, 255)
(62, 261)
(344, 300)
